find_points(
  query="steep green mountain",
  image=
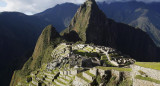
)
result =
(125, 12)
(92, 26)
(48, 39)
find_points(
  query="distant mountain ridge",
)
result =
(125, 12)
(59, 16)
(19, 32)
(137, 14)
(102, 37)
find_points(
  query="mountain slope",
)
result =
(48, 39)
(49, 34)
(92, 26)
(88, 64)
(18, 34)
(146, 16)
(59, 16)
(125, 12)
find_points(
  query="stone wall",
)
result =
(93, 71)
(74, 72)
(102, 72)
(80, 82)
(87, 76)
(138, 82)
(155, 74)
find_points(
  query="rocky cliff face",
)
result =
(92, 26)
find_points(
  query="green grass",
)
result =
(147, 79)
(61, 82)
(108, 63)
(112, 81)
(141, 72)
(92, 75)
(114, 68)
(126, 82)
(99, 79)
(81, 76)
(64, 79)
(152, 65)
(55, 84)
(104, 57)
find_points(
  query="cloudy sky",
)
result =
(34, 6)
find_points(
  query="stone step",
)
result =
(81, 81)
(35, 82)
(49, 74)
(93, 71)
(88, 75)
(64, 80)
(54, 84)
(46, 82)
(31, 84)
(48, 79)
(66, 77)
(59, 83)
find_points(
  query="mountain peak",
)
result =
(48, 35)
(86, 15)
(91, 0)
(92, 26)
(90, 3)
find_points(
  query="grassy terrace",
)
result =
(114, 68)
(147, 79)
(90, 73)
(81, 76)
(64, 79)
(55, 84)
(152, 65)
(60, 82)
(84, 53)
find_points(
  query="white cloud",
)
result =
(35, 6)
